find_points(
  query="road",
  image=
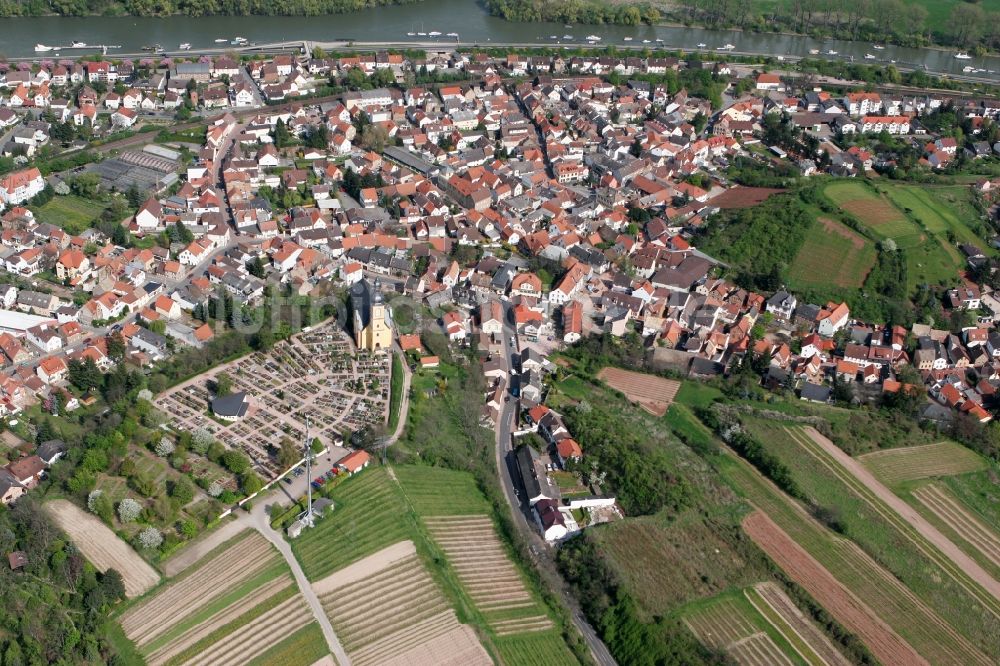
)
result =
(542, 553)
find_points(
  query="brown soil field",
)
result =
(241, 561)
(652, 393)
(485, 571)
(872, 212)
(256, 636)
(102, 547)
(394, 612)
(966, 525)
(810, 634)
(894, 466)
(218, 620)
(743, 197)
(855, 615)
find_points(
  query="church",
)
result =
(372, 321)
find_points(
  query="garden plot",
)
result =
(102, 547)
(724, 625)
(240, 566)
(386, 609)
(317, 374)
(487, 574)
(895, 466)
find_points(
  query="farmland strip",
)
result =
(964, 523)
(817, 642)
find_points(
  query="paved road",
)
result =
(542, 553)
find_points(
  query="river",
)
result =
(467, 18)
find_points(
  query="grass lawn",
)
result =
(832, 254)
(70, 212)
(941, 210)
(395, 392)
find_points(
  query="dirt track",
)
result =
(966, 564)
(850, 611)
(102, 547)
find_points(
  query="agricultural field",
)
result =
(832, 254)
(487, 574)
(802, 634)
(102, 547)
(387, 609)
(929, 259)
(238, 601)
(370, 514)
(933, 568)
(939, 209)
(538, 649)
(896, 466)
(437, 491)
(652, 393)
(70, 212)
(958, 520)
(844, 579)
(732, 625)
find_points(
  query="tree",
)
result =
(85, 375)
(129, 510)
(182, 491)
(288, 454)
(164, 447)
(201, 439)
(150, 538)
(116, 346)
(86, 185)
(250, 483)
(113, 585)
(188, 528)
(374, 137)
(236, 462)
(214, 489)
(223, 384)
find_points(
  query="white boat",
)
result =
(553, 37)
(645, 41)
(962, 56)
(813, 51)
(968, 68)
(42, 48)
(422, 34)
(434, 33)
(877, 47)
(831, 52)
(221, 40)
(79, 45)
(892, 62)
(700, 45)
(593, 38)
(725, 47)
(411, 34)
(869, 56)
(453, 34)
(659, 41)
(628, 39)
(185, 46)
(568, 38)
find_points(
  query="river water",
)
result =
(465, 17)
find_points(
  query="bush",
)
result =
(129, 510)
(214, 489)
(236, 462)
(201, 439)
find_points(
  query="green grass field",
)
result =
(436, 491)
(370, 514)
(832, 254)
(883, 534)
(395, 392)
(538, 649)
(930, 257)
(70, 212)
(306, 646)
